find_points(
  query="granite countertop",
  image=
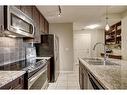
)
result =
(47, 58)
(109, 76)
(8, 76)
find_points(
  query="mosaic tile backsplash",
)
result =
(11, 50)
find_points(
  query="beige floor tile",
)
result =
(62, 80)
(73, 88)
(61, 88)
(67, 80)
(73, 84)
(72, 80)
(52, 85)
(51, 88)
(62, 84)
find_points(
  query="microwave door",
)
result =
(19, 23)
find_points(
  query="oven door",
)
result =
(39, 80)
(18, 23)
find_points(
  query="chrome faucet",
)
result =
(105, 54)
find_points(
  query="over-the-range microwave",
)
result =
(16, 23)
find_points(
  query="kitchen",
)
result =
(51, 47)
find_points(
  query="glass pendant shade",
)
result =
(107, 27)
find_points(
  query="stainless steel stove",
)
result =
(36, 69)
(37, 75)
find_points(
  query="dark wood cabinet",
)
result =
(113, 36)
(19, 7)
(15, 84)
(80, 77)
(83, 77)
(41, 25)
(36, 19)
(28, 10)
(46, 26)
(113, 40)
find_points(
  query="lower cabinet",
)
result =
(83, 77)
(15, 84)
(87, 80)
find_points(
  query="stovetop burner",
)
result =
(21, 65)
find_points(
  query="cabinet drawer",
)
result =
(7, 86)
(15, 84)
(18, 83)
(7, 67)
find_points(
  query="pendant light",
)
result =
(59, 14)
(107, 27)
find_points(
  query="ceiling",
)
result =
(82, 16)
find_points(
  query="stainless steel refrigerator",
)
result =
(49, 47)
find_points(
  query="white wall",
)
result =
(82, 46)
(65, 33)
(96, 36)
(124, 37)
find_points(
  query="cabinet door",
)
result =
(1, 19)
(85, 78)
(36, 16)
(15, 84)
(80, 76)
(41, 26)
(27, 10)
(46, 27)
(19, 7)
(18, 83)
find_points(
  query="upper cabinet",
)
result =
(28, 10)
(46, 26)
(36, 19)
(41, 25)
(19, 7)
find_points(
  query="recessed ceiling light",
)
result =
(93, 26)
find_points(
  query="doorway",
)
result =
(82, 46)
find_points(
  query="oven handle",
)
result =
(36, 76)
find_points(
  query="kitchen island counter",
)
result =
(109, 76)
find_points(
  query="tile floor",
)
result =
(66, 81)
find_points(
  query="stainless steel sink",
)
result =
(101, 63)
(93, 59)
(97, 61)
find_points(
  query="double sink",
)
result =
(97, 61)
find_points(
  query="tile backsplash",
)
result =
(11, 50)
